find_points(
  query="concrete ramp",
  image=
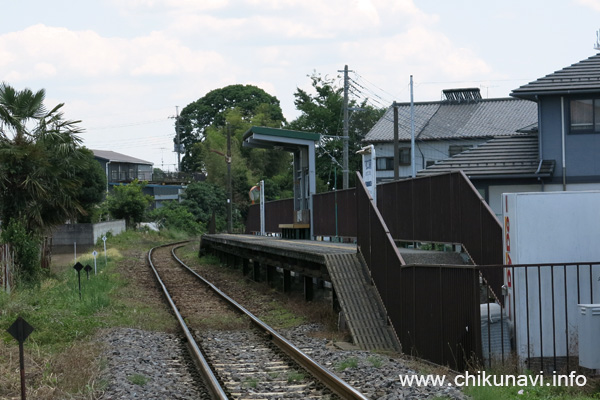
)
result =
(362, 307)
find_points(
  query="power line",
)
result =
(126, 125)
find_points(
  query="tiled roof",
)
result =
(118, 157)
(449, 120)
(582, 77)
(511, 156)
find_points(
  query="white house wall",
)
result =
(425, 151)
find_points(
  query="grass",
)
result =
(61, 355)
(375, 361)
(350, 362)
(251, 382)
(281, 317)
(528, 393)
(138, 379)
(295, 376)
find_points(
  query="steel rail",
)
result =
(325, 376)
(210, 379)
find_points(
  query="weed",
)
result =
(251, 382)
(295, 376)
(375, 361)
(351, 362)
(138, 379)
(209, 259)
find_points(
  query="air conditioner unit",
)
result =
(589, 330)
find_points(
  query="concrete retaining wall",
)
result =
(85, 234)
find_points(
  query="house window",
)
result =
(457, 149)
(387, 163)
(585, 116)
(404, 156)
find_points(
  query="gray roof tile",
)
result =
(118, 157)
(447, 120)
(581, 77)
(516, 156)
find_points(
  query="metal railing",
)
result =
(541, 310)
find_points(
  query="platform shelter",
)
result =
(302, 146)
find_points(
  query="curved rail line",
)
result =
(325, 376)
(210, 379)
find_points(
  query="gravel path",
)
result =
(152, 365)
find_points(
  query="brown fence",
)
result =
(444, 208)
(433, 309)
(276, 212)
(334, 213)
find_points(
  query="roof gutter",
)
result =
(509, 176)
(533, 95)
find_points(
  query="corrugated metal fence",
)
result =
(433, 309)
(444, 208)
(276, 212)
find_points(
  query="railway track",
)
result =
(240, 358)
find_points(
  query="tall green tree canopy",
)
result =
(322, 112)
(211, 111)
(205, 124)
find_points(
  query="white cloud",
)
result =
(593, 4)
(41, 51)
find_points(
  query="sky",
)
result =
(123, 67)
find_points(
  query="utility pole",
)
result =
(345, 137)
(178, 146)
(396, 149)
(229, 188)
(412, 130)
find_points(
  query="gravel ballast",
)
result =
(153, 365)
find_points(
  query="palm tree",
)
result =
(39, 155)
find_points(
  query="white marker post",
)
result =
(105, 259)
(95, 254)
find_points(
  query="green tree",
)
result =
(201, 199)
(322, 112)
(175, 216)
(41, 184)
(234, 109)
(40, 157)
(26, 252)
(93, 188)
(211, 111)
(128, 202)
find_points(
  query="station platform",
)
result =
(337, 263)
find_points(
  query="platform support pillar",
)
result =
(309, 290)
(256, 271)
(271, 271)
(287, 280)
(245, 266)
